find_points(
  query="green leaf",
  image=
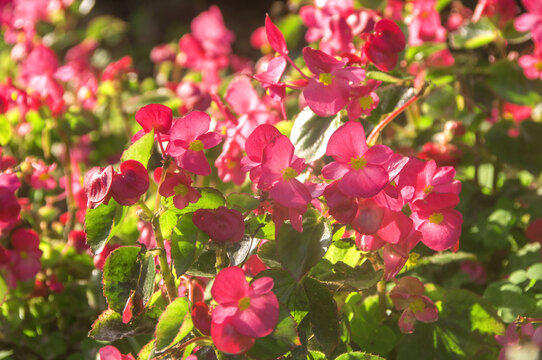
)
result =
(299, 252)
(507, 80)
(288, 292)
(510, 301)
(174, 324)
(210, 199)
(344, 251)
(366, 328)
(465, 329)
(378, 75)
(106, 27)
(291, 27)
(311, 133)
(167, 221)
(323, 314)
(120, 276)
(141, 150)
(204, 265)
(4, 290)
(280, 341)
(242, 202)
(5, 131)
(358, 356)
(261, 226)
(186, 241)
(391, 97)
(147, 351)
(340, 276)
(473, 35)
(418, 53)
(102, 223)
(76, 123)
(145, 285)
(109, 325)
(535, 272)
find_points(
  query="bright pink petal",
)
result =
(228, 340)
(274, 72)
(378, 154)
(368, 218)
(109, 353)
(195, 162)
(290, 193)
(533, 6)
(335, 170)
(319, 62)
(258, 140)
(190, 127)
(230, 285)
(326, 100)
(242, 96)
(526, 22)
(261, 286)
(275, 37)
(347, 142)
(210, 139)
(222, 313)
(365, 182)
(429, 313)
(260, 318)
(395, 227)
(445, 234)
(155, 116)
(277, 155)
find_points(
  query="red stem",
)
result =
(371, 140)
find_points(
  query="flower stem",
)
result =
(162, 256)
(371, 140)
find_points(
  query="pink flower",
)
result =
(25, 259)
(110, 352)
(223, 225)
(425, 25)
(130, 182)
(78, 239)
(228, 163)
(328, 92)
(438, 222)
(362, 171)
(117, 68)
(244, 312)
(408, 296)
(254, 147)
(41, 177)
(189, 136)
(280, 167)
(515, 339)
(179, 186)
(532, 64)
(97, 184)
(154, 116)
(421, 178)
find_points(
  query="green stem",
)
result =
(162, 256)
(221, 258)
(67, 165)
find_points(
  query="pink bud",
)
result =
(97, 185)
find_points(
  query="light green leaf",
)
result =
(174, 325)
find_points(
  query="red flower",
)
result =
(244, 312)
(97, 184)
(25, 259)
(129, 183)
(223, 225)
(154, 116)
(382, 47)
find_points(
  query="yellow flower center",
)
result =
(230, 164)
(417, 306)
(412, 259)
(366, 102)
(196, 145)
(244, 303)
(428, 189)
(43, 176)
(180, 189)
(326, 78)
(538, 66)
(14, 95)
(436, 218)
(23, 255)
(288, 173)
(358, 162)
